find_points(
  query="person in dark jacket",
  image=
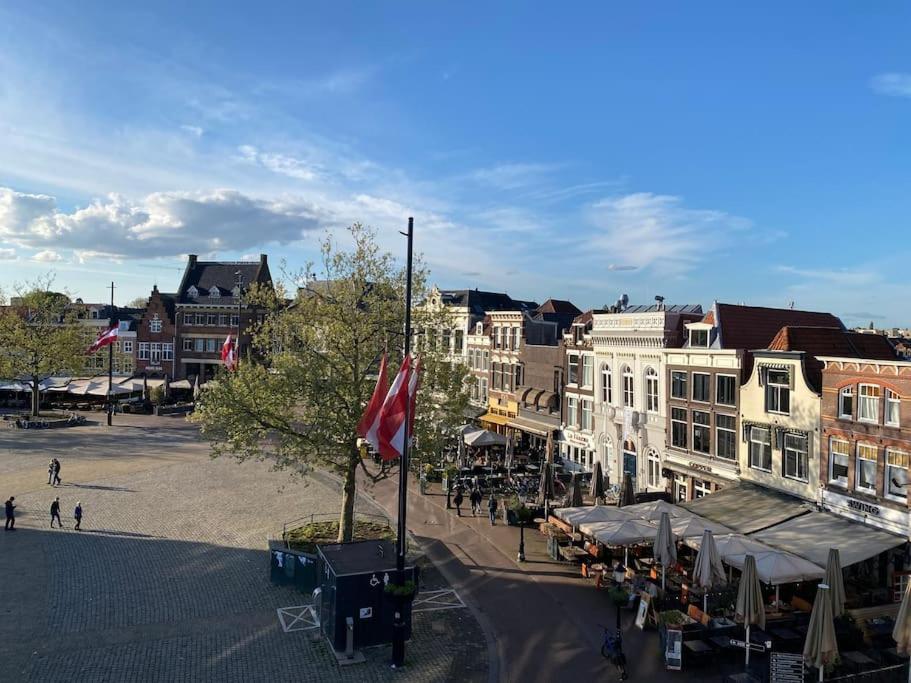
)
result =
(475, 499)
(56, 471)
(77, 513)
(458, 501)
(55, 513)
(10, 514)
(492, 509)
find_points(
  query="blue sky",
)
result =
(696, 150)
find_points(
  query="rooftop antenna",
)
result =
(660, 300)
(791, 305)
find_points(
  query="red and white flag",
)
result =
(369, 423)
(107, 337)
(401, 399)
(229, 354)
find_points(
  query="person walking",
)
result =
(77, 513)
(56, 471)
(458, 501)
(475, 501)
(492, 509)
(55, 513)
(50, 471)
(10, 514)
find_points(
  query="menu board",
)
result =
(673, 650)
(644, 599)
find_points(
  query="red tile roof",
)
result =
(754, 327)
(832, 341)
(558, 306)
(584, 319)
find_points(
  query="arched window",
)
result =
(607, 391)
(651, 390)
(628, 394)
(654, 467)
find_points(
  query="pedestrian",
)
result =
(56, 471)
(10, 514)
(492, 509)
(458, 501)
(77, 513)
(50, 471)
(476, 501)
(55, 513)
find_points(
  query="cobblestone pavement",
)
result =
(169, 579)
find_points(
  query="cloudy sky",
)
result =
(700, 152)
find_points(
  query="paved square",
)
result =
(169, 578)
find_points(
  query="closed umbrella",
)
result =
(821, 648)
(627, 495)
(836, 582)
(549, 447)
(546, 490)
(575, 491)
(196, 389)
(901, 634)
(749, 600)
(708, 570)
(597, 489)
(664, 548)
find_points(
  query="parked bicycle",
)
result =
(612, 650)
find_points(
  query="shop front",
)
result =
(499, 412)
(690, 479)
(577, 450)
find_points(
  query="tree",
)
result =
(138, 302)
(40, 336)
(317, 358)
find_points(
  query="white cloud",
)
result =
(279, 163)
(892, 84)
(647, 230)
(47, 256)
(837, 276)
(195, 131)
(512, 176)
(161, 224)
(7, 254)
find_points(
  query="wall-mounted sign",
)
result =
(895, 519)
(578, 439)
(860, 506)
(699, 466)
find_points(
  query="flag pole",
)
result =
(111, 363)
(398, 625)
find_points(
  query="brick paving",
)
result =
(169, 580)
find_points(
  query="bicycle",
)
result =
(612, 650)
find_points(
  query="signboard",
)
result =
(644, 600)
(786, 668)
(673, 650)
(880, 516)
(755, 647)
(366, 612)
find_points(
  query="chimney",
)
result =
(262, 259)
(191, 259)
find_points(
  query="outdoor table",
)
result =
(697, 647)
(784, 634)
(893, 656)
(857, 659)
(741, 678)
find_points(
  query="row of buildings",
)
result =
(689, 402)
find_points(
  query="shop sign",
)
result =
(860, 506)
(698, 466)
(578, 439)
(879, 515)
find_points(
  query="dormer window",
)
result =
(214, 293)
(479, 328)
(192, 292)
(699, 339)
(236, 290)
(155, 324)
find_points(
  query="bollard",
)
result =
(349, 637)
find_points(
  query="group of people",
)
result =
(53, 472)
(55, 514)
(53, 478)
(475, 497)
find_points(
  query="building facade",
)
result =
(577, 445)
(96, 318)
(478, 352)
(156, 337)
(539, 396)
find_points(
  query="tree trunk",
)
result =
(349, 489)
(36, 397)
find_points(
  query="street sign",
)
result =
(755, 647)
(786, 668)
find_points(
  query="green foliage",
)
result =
(406, 590)
(156, 395)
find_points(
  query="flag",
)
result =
(108, 336)
(413, 387)
(391, 430)
(368, 423)
(229, 354)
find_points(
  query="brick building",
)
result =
(156, 337)
(576, 445)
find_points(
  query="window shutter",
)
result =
(778, 437)
(763, 372)
(791, 373)
(746, 432)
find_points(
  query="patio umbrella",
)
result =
(708, 570)
(836, 582)
(821, 648)
(509, 454)
(483, 437)
(597, 489)
(546, 489)
(167, 387)
(749, 600)
(652, 509)
(196, 389)
(145, 388)
(664, 548)
(575, 491)
(592, 514)
(901, 634)
(549, 447)
(776, 567)
(627, 495)
(461, 455)
(686, 527)
(623, 533)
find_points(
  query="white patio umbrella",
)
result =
(901, 633)
(653, 509)
(776, 567)
(483, 437)
(623, 533)
(749, 600)
(836, 582)
(821, 646)
(686, 527)
(580, 516)
(708, 570)
(664, 548)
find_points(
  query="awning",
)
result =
(812, 535)
(525, 392)
(746, 508)
(545, 398)
(482, 437)
(491, 418)
(530, 426)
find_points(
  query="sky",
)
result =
(700, 151)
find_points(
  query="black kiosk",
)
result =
(353, 578)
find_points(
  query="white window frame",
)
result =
(733, 432)
(801, 458)
(653, 468)
(705, 427)
(155, 325)
(778, 390)
(651, 390)
(678, 421)
(833, 455)
(587, 415)
(607, 448)
(167, 351)
(893, 400)
(571, 411)
(708, 387)
(701, 488)
(686, 383)
(867, 401)
(708, 338)
(607, 391)
(844, 392)
(128, 346)
(155, 352)
(870, 454)
(718, 379)
(629, 391)
(199, 345)
(902, 461)
(588, 370)
(143, 351)
(765, 445)
(188, 344)
(484, 388)
(572, 376)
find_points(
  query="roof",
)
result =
(359, 557)
(584, 318)
(754, 327)
(668, 308)
(558, 306)
(479, 302)
(832, 341)
(204, 275)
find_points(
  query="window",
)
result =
(211, 345)
(515, 338)
(199, 344)
(839, 455)
(846, 402)
(187, 344)
(794, 458)
(726, 436)
(893, 408)
(211, 319)
(588, 371)
(778, 392)
(447, 341)
(761, 448)
(606, 388)
(155, 325)
(725, 390)
(192, 292)
(155, 356)
(701, 432)
(167, 352)
(571, 414)
(630, 462)
(222, 319)
(654, 468)
(678, 427)
(484, 388)
(586, 415)
(678, 384)
(143, 351)
(896, 474)
(127, 346)
(701, 488)
(628, 394)
(699, 338)
(701, 387)
(865, 477)
(494, 376)
(651, 390)
(607, 448)
(868, 403)
(234, 319)
(459, 341)
(517, 375)
(496, 337)
(486, 360)
(214, 293)
(680, 490)
(573, 369)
